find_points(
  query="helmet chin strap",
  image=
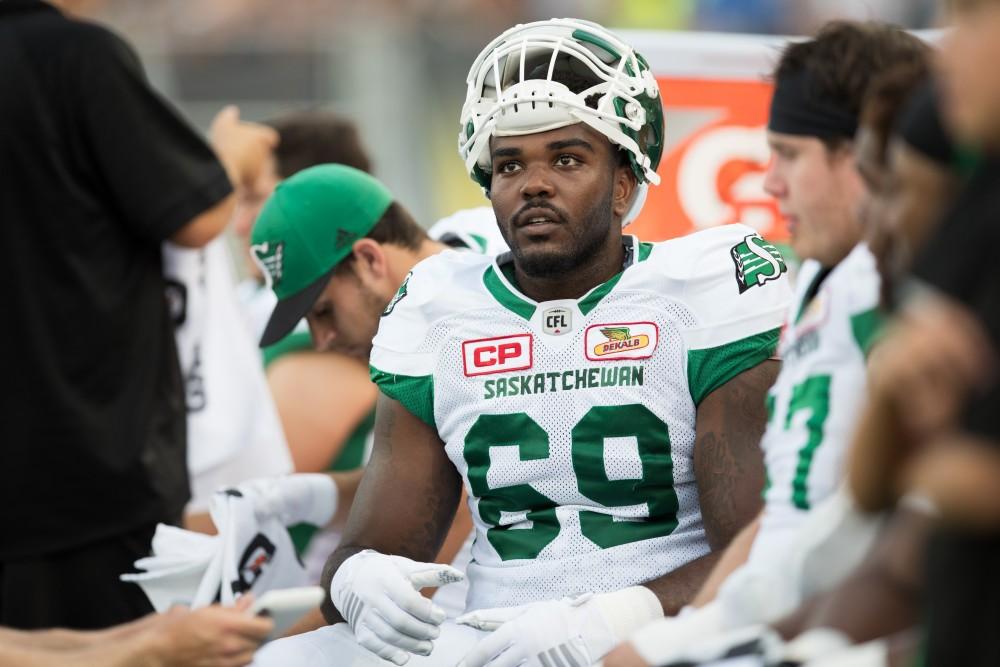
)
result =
(638, 200)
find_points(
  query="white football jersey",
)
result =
(815, 401)
(572, 422)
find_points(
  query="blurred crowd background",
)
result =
(397, 67)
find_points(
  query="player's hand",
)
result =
(577, 631)
(377, 596)
(242, 147)
(934, 358)
(301, 498)
(209, 637)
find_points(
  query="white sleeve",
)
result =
(401, 364)
(739, 292)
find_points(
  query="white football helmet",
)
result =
(545, 75)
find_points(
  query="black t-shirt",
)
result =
(95, 171)
(962, 597)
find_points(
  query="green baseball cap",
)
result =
(307, 226)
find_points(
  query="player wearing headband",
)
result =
(599, 398)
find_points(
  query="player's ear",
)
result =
(370, 261)
(624, 188)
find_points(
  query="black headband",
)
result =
(797, 109)
(919, 126)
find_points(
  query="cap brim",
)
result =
(290, 310)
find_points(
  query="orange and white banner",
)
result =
(716, 97)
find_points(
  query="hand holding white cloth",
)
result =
(195, 570)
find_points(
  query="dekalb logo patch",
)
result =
(486, 356)
(627, 340)
(757, 262)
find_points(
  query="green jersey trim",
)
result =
(500, 284)
(710, 368)
(505, 296)
(481, 240)
(867, 327)
(594, 296)
(415, 393)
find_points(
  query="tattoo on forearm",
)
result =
(728, 459)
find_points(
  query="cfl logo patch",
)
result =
(557, 321)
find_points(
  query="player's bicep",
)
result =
(410, 490)
(728, 461)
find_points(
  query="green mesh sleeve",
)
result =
(415, 393)
(710, 368)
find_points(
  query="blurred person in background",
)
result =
(325, 398)
(233, 430)
(942, 375)
(325, 423)
(208, 637)
(829, 331)
(315, 208)
(99, 172)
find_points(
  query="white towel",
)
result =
(195, 570)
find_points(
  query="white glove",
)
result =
(291, 499)
(377, 596)
(660, 641)
(814, 644)
(573, 632)
(871, 654)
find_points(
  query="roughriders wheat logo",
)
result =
(400, 293)
(757, 262)
(270, 258)
(628, 340)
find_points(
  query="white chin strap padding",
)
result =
(638, 200)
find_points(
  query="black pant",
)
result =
(78, 588)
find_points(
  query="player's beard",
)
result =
(592, 240)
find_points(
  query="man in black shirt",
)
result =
(97, 171)
(947, 356)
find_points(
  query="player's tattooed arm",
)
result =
(729, 469)
(728, 460)
(407, 497)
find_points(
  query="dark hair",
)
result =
(887, 95)
(396, 227)
(309, 138)
(844, 57)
